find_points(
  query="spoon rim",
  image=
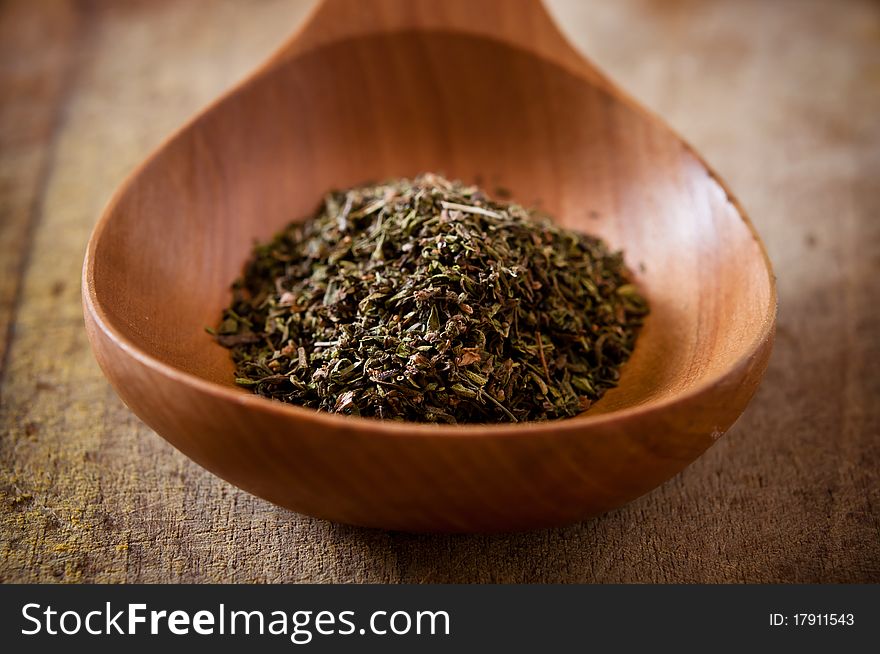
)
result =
(250, 401)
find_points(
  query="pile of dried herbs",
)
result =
(424, 300)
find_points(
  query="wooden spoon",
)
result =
(484, 91)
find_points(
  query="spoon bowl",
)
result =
(485, 92)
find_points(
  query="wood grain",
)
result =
(783, 109)
(28, 127)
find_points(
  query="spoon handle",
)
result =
(523, 23)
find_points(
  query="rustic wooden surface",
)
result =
(782, 98)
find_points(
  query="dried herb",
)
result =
(424, 300)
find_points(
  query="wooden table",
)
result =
(783, 98)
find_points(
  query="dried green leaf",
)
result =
(425, 300)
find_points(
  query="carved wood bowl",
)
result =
(483, 91)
